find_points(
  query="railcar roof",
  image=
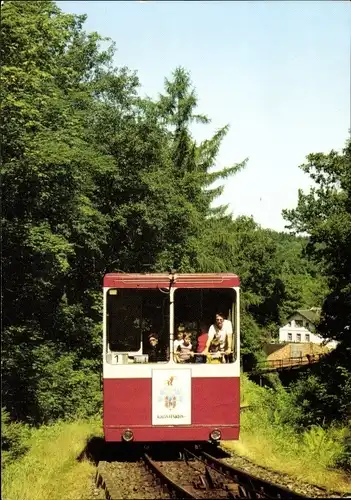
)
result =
(182, 280)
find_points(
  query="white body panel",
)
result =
(197, 370)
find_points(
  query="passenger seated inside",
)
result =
(178, 341)
(153, 349)
(219, 342)
(184, 353)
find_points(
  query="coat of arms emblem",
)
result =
(170, 394)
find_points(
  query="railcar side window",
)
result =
(205, 326)
(137, 325)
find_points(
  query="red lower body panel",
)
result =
(215, 404)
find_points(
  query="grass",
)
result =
(308, 457)
(50, 470)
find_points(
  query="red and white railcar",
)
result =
(166, 400)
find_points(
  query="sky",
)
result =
(277, 72)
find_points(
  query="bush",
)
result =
(276, 415)
(344, 458)
(66, 391)
(324, 446)
(14, 439)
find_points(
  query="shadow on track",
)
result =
(97, 450)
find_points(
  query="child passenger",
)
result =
(185, 349)
(178, 341)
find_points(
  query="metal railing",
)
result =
(280, 364)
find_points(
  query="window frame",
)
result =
(235, 320)
(130, 353)
(234, 313)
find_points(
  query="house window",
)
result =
(298, 323)
(307, 324)
(289, 337)
(307, 337)
(298, 337)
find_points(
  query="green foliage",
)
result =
(344, 460)
(251, 335)
(52, 230)
(68, 389)
(14, 439)
(325, 214)
(305, 285)
(323, 398)
(275, 413)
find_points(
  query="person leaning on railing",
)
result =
(220, 332)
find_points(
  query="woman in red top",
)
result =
(201, 341)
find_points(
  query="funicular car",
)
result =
(153, 392)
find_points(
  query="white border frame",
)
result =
(199, 370)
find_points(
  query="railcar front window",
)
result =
(205, 329)
(137, 326)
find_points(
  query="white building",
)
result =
(301, 328)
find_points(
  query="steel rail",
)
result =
(102, 480)
(174, 488)
(252, 484)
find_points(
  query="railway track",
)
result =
(128, 480)
(194, 474)
(249, 486)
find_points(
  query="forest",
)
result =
(97, 178)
